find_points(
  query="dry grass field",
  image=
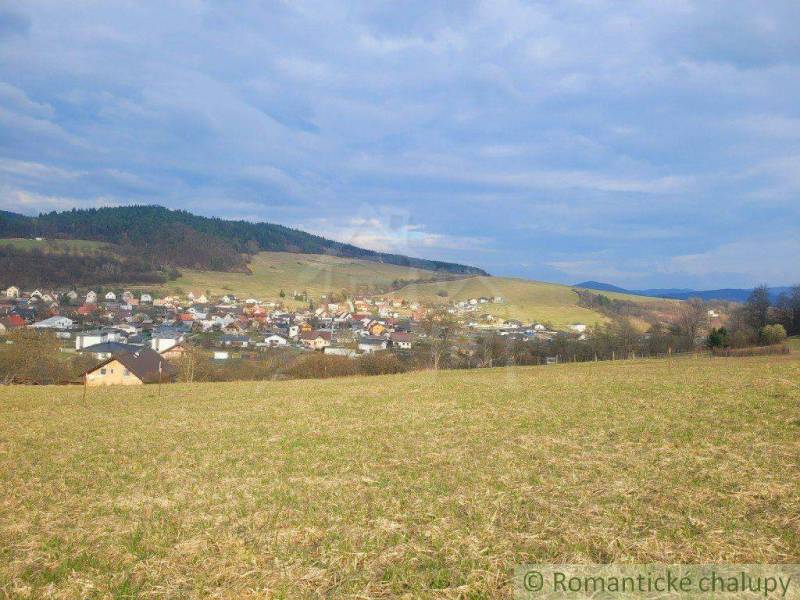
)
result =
(315, 273)
(432, 483)
(526, 300)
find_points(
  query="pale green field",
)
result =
(523, 299)
(316, 273)
(48, 245)
(423, 484)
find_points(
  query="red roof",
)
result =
(15, 321)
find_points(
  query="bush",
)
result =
(772, 334)
(718, 338)
(380, 363)
(33, 356)
(318, 365)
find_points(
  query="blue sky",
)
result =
(642, 143)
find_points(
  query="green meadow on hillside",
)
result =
(396, 485)
(315, 273)
(522, 299)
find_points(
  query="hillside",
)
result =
(522, 299)
(397, 485)
(316, 274)
(30, 263)
(180, 239)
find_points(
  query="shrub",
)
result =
(718, 338)
(772, 334)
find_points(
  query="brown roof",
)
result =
(312, 335)
(144, 364)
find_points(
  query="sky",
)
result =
(646, 144)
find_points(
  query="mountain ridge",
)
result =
(728, 294)
(178, 238)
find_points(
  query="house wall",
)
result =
(163, 344)
(115, 374)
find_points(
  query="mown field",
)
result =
(423, 483)
(524, 299)
(315, 273)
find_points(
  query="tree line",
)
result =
(37, 268)
(759, 321)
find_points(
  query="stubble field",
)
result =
(418, 484)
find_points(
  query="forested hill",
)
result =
(180, 239)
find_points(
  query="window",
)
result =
(102, 371)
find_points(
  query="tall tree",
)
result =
(757, 307)
(691, 318)
(788, 308)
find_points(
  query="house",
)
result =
(221, 355)
(370, 344)
(165, 338)
(145, 298)
(12, 292)
(72, 295)
(54, 323)
(91, 298)
(111, 297)
(376, 328)
(96, 336)
(106, 350)
(175, 352)
(274, 340)
(315, 340)
(236, 341)
(14, 321)
(131, 368)
(400, 340)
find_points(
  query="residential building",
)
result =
(131, 368)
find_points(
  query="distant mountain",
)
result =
(727, 294)
(177, 238)
(602, 287)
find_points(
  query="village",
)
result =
(137, 337)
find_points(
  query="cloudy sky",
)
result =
(642, 143)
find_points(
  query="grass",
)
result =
(52, 245)
(315, 273)
(523, 299)
(397, 485)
